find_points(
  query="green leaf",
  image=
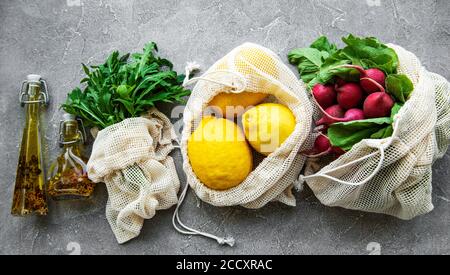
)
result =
(85, 69)
(346, 134)
(369, 52)
(383, 133)
(124, 87)
(310, 60)
(322, 44)
(395, 110)
(128, 105)
(399, 86)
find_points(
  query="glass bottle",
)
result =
(68, 177)
(29, 190)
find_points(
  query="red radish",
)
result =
(340, 81)
(353, 114)
(377, 104)
(337, 151)
(331, 114)
(349, 115)
(324, 94)
(349, 95)
(322, 146)
(375, 74)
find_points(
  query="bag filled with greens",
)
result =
(131, 151)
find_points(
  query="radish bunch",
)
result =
(349, 101)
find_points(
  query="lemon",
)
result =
(244, 60)
(219, 154)
(267, 126)
(230, 104)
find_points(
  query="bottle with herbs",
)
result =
(29, 190)
(68, 177)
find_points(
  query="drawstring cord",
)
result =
(381, 147)
(176, 220)
(71, 157)
(193, 66)
(190, 231)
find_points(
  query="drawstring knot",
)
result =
(228, 240)
(299, 182)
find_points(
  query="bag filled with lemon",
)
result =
(247, 118)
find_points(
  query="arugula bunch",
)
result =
(122, 88)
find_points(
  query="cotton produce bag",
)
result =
(131, 158)
(273, 178)
(245, 69)
(392, 175)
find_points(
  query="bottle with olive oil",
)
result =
(29, 191)
(68, 177)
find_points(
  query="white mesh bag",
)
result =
(131, 158)
(392, 175)
(252, 68)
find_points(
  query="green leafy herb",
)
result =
(370, 53)
(399, 86)
(122, 88)
(310, 60)
(321, 62)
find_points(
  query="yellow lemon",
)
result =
(230, 104)
(248, 61)
(267, 126)
(219, 154)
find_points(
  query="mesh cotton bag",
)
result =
(246, 69)
(131, 158)
(273, 177)
(392, 175)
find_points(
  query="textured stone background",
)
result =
(53, 37)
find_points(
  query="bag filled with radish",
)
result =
(381, 121)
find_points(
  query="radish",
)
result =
(324, 94)
(377, 104)
(339, 82)
(335, 114)
(349, 95)
(331, 114)
(322, 146)
(353, 114)
(337, 151)
(375, 74)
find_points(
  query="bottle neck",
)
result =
(70, 134)
(32, 109)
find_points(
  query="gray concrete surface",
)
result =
(53, 37)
